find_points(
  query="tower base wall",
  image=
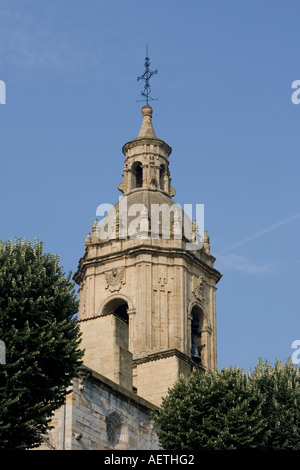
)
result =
(105, 341)
(154, 374)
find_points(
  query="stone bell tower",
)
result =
(147, 301)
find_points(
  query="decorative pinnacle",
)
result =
(206, 242)
(146, 77)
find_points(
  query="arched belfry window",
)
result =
(196, 328)
(162, 174)
(117, 307)
(137, 175)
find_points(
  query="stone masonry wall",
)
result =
(100, 415)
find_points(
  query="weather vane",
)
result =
(146, 77)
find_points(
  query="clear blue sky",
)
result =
(224, 79)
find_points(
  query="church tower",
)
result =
(147, 282)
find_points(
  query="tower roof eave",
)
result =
(146, 141)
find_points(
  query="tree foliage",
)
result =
(279, 386)
(227, 410)
(42, 338)
(211, 410)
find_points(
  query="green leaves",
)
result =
(227, 410)
(280, 390)
(37, 323)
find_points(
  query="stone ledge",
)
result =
(117, 390)
(145, 248)
(165, 354)
(147, 141)
(92, 318)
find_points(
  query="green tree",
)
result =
(279, 387)
(212, 410)
(42, 338)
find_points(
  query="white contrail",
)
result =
(262, 232)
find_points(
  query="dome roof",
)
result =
(149, 212)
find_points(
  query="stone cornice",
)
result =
(96, 316)
(145, 249)
(112, 387)
(146, 141)
(165, 354)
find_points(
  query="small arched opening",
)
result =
(162, 175)
(137, 175)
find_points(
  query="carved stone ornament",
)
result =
(113, 426)
(199, 288)
(115, 278)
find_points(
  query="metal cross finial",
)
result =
(146, 76)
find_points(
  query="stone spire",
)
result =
(147, 128)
